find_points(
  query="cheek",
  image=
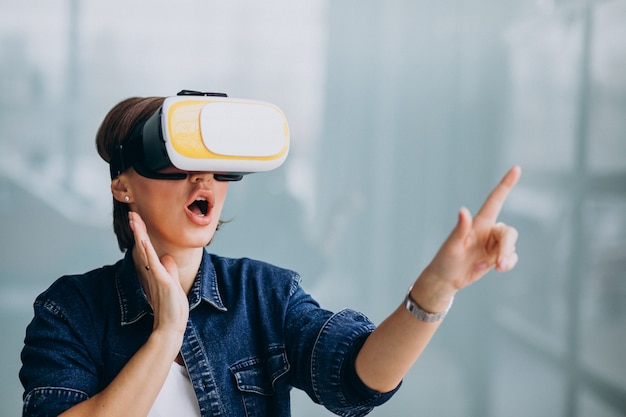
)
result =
(220, 194)
(156, 202)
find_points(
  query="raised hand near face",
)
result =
(159, 278)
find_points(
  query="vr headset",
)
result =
(208, 132)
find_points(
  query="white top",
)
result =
(176, 397)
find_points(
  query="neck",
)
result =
(188, 262)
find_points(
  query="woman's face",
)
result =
(178, 214)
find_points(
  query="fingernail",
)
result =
(502, 262)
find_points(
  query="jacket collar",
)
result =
(205, 287)
(134, 303)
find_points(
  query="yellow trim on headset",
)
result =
(183, 124)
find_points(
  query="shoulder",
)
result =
(250, 267)
(74, 291)
(239, 272)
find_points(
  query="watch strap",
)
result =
(416, 311)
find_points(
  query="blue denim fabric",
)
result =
(253, 333)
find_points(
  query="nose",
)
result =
(200, 176)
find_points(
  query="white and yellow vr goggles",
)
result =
(206, 132)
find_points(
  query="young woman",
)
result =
(173, 330)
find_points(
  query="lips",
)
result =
(198, 207)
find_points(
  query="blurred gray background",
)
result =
(400, 112)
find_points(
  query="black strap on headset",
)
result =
(200, 93)
(128, 152)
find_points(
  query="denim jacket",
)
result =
(252, 334)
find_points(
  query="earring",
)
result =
(126, 198)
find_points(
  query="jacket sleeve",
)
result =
(57, 371)
(323, 347)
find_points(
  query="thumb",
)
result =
(463, 226)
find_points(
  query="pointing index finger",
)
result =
(494, 202)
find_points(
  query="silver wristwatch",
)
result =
(411, 305)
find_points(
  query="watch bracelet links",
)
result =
(416, 311)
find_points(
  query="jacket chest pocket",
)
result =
(258, 379)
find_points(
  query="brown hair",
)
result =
(113, 131)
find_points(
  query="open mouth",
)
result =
(200, 207)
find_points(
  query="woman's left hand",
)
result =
(475, 245)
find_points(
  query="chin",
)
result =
(202, 242)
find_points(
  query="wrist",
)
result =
(420, 313)
(168, 342)
(431, 294)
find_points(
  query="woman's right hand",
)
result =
(160, 281)
(134, 390)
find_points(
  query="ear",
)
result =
(120, 190)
